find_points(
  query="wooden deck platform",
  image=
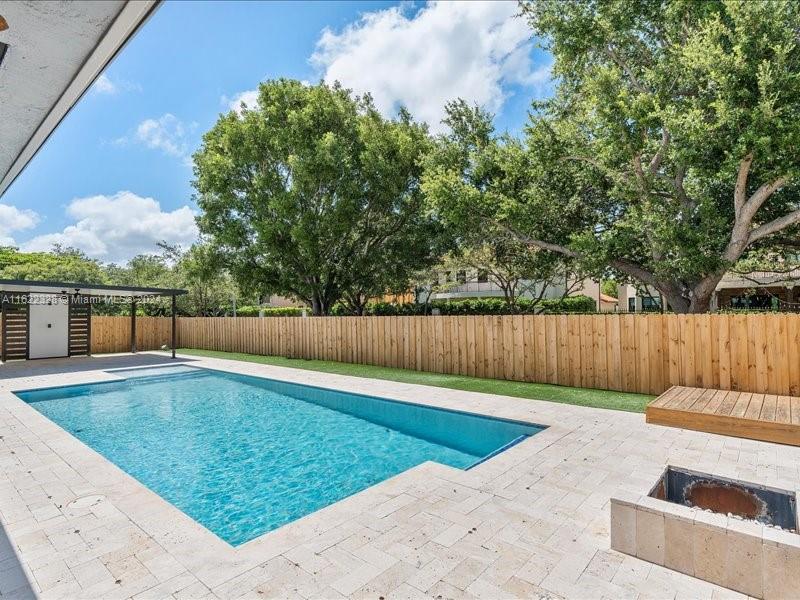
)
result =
(765, 417)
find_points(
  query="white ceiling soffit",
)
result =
(55, 52)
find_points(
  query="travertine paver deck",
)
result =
(532, 522)
(766, 417)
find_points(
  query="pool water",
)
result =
(244, 455)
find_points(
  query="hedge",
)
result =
(465, 306)
(273, 311)
(479, 306)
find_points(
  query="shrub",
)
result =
(269, 311)
(570, 304)
(461, 306)
(484, 306)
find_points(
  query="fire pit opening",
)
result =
(728, 496)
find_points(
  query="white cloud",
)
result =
(115, 228)
(249, 98)
(105, 85)
(472, 50)
(167, 133)
(13, 219)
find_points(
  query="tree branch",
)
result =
(624, 265)
(635, 270)
(637, 167)
(774, 226)
(763, 193)
(680, 175)
(740, 191)
(658, 157)
(741, 234)
(671, 290)
(612, 54)
(557, 248)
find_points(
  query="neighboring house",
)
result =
(276, 301)
(477, 284)
(608, 303)
(637, 299)
(758, 290)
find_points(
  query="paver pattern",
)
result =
(531, 522)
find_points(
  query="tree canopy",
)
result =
(314, 195)
(210, 289)
(667, 152)
(470, 165)
(60, 264)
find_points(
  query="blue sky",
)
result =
(116, 177)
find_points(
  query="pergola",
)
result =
(46, 319)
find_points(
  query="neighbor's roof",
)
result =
(50, 54)
(22, 286)
(756, 279)
(609, 299)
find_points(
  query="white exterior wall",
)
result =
(624, 293)
(475, 289)
(49, 330)
(627, 291)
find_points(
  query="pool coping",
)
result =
(182, 536)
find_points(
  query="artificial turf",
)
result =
(534, 391)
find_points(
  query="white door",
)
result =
(49, 329)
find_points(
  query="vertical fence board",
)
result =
(613, 353)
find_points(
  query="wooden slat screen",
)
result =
(14, 331)
(80, 312)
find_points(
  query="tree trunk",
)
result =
(316, 309)
(703, 292)
(690, 299)
(359, 304)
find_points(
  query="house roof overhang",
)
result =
(22, 286)
(51, 52)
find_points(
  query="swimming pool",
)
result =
(244, 455)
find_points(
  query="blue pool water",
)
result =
(244, 455)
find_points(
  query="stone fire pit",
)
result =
(739, 535)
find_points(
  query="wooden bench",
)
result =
(765, 417)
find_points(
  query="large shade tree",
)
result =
(313, 194)
(467, 165)
(668, 152)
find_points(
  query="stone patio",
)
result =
(531, 522)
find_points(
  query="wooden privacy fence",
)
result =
(113, 334)
(632, 353)
(625, 352)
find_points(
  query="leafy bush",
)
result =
(570, 304)
(481, 306)
(276, 311)
(463, 306)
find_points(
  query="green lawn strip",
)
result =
(534, 391)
